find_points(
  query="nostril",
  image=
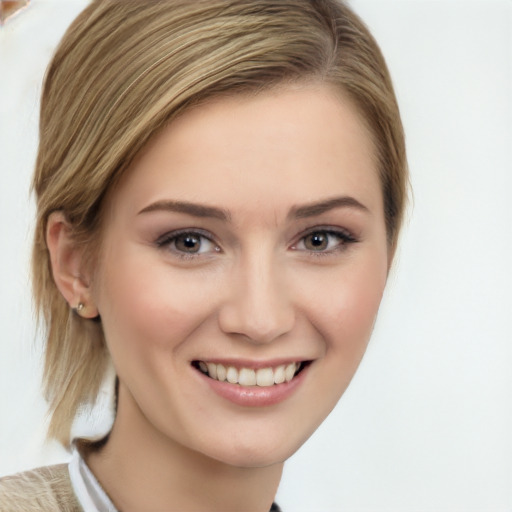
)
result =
(254, 327)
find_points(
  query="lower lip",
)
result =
(255, 396)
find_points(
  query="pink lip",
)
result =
(254, 396)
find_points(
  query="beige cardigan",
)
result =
(46, 489)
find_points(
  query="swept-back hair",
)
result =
(124, 70)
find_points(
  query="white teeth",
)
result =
(221, 373)
(265, 377)
(279, 376)
(248, 377)
(289, 372)
(232, 375)
(212, 370)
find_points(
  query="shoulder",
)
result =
(45, 489)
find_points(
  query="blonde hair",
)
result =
(126, 68)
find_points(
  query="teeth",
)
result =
(289, 372)
(279, 376)
(212, 370)
(248, 377)
(232, 375)
(265, 377)
(221, 373)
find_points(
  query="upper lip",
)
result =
(252, 363)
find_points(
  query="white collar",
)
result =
(87, 489)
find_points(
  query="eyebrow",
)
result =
(317, 208)
(298, 212)
(194, 209)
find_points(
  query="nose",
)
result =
(258, 305)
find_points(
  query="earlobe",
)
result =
(67, 266)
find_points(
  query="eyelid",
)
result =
(169, 235)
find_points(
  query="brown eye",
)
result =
(317, 241)
(188, 242)
(324, 241)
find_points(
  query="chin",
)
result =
(253, 452)
(254, 457)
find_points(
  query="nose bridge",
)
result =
(259, 305)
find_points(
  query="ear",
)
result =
(69, 273)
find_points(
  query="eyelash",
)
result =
(168, 241)
(344, 239)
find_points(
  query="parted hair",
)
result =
(124, 70)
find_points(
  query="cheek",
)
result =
(346, 307)
(148, 311)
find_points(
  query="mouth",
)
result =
(251, 377)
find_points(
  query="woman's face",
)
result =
(246, 242)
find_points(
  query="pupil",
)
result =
(317, 241)
(188, 243)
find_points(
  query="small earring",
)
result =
(79, 308)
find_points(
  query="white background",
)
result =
(426, 424)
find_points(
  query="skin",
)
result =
(258, 289)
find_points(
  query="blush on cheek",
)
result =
(351, 321)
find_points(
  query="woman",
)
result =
(220, 187)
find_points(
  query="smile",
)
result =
(249, 377)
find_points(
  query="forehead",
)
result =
(294, 144)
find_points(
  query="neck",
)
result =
(142, 469)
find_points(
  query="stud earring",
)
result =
(79, 308)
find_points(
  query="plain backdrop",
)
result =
(426, 424)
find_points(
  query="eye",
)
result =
(323, 241)
(188, 243)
